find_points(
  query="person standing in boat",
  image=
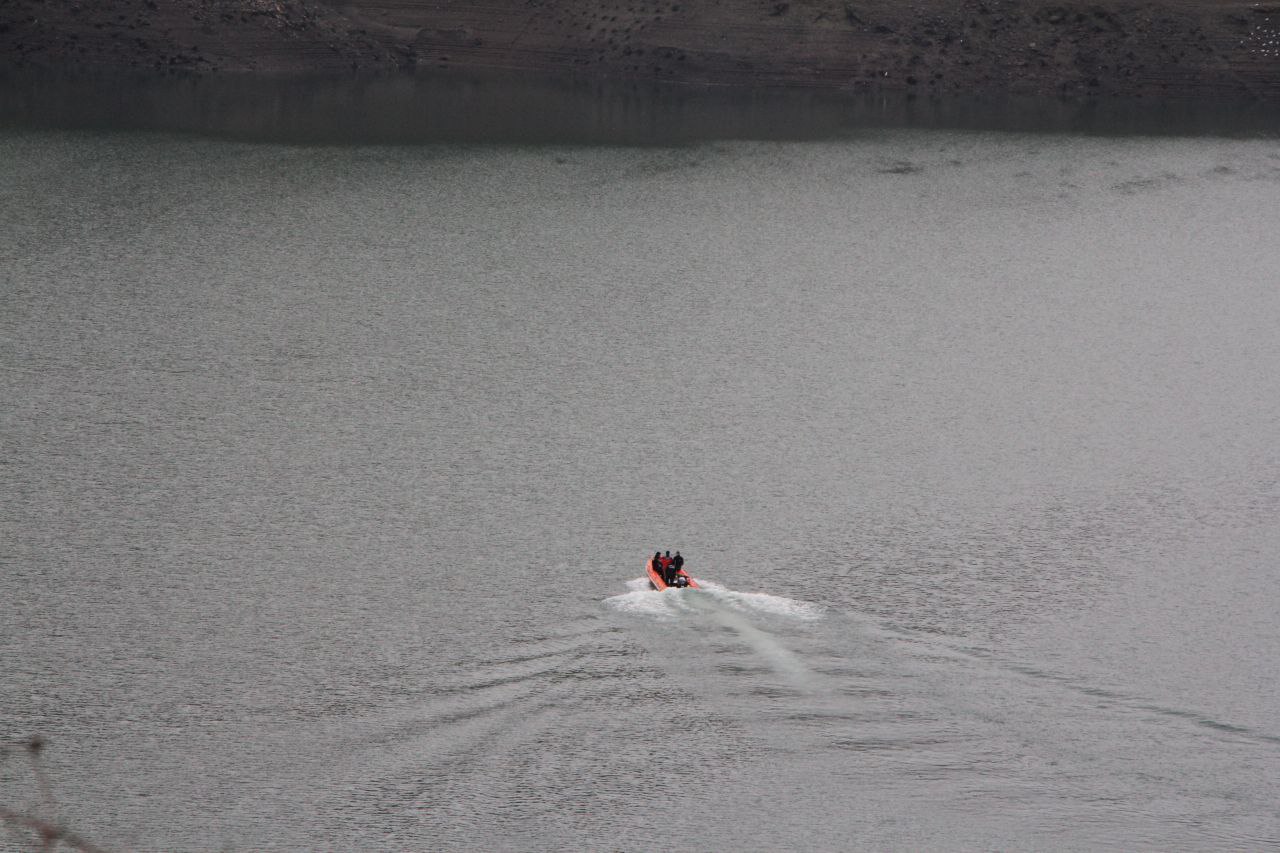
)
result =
(677, 563)
(665, 560)
(657, 563)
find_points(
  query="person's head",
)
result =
(657, 553)
(677, 553)
(668, 553)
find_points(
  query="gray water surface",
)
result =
(329, 474)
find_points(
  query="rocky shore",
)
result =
(1161, 48)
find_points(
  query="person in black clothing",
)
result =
(677, 563)
(657, 563)
(668, 573)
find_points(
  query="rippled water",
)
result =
(329, 474)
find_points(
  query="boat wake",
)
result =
(674, 603)
(729, 609)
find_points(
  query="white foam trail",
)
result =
(763, 602)
(672, 602)
(778, 656)
(645, 601)
(642, 602)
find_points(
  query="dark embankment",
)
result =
(1162, 48)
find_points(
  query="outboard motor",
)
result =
(681, 581)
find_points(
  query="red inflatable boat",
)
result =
(682, 578)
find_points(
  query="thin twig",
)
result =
(34, 747)
(49, 833)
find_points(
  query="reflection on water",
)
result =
(503, 107)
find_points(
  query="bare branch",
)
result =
(50, 833)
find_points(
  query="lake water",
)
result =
(329, 472)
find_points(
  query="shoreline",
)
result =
(1170, 49)
(505, 107)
